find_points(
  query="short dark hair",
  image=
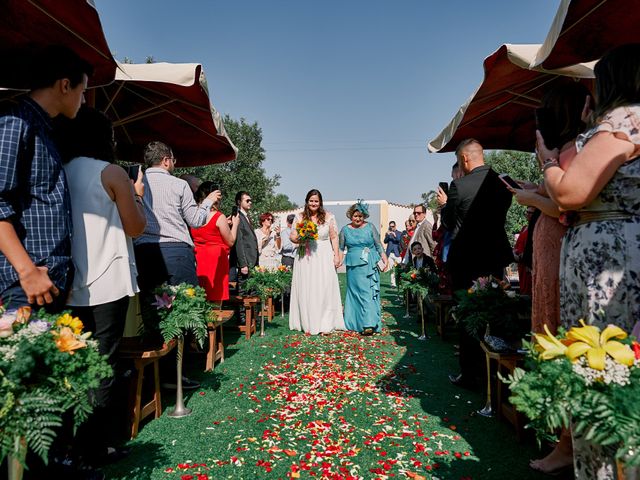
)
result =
(423, 208)
(290, 218)
(265, 216)
(239, 196)
(56, 62)
(89, 134)
(392, 222)
(154, 152)
(204, 190)
(416, 243)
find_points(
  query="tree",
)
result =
(520, 166)
(246, 172)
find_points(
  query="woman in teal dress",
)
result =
(364, 251)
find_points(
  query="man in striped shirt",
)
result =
(35, 216)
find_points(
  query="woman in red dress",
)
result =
(212, 243)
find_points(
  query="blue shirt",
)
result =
(33, 192)
(392, 239)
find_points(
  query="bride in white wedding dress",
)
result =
(316, 306)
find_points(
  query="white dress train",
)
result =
(316, 306)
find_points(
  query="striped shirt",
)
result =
(170, 209)
(33, 192)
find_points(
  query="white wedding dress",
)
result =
(316, 306)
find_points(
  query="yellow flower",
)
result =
(67, 341)
(596, 345)
(549, 346)
(190, 292)
(74, 323)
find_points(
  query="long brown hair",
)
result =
(617, 78)
(306, 213)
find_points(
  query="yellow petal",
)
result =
(550, 345)
(620, 352)
(588, 334)
(612, 332)
(576, 350)
(595, 357)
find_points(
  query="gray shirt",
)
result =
(170, 209)
(288, 248)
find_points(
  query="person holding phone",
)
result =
(107, 212)
(269, 242)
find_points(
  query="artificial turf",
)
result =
(289, 405)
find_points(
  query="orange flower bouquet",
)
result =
(307, 235)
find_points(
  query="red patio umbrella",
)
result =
(26, 25)
(500, 114)
(584, 30)
(167, 102)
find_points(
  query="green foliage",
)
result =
(504, 313)
(183, 308)
(246, 172)
(47, 367)
(520, 166)
(268, 283)
(417, 281)
(552, 395)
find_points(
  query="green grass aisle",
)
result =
(341, 407)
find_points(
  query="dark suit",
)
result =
(475, 214)
(244, 254)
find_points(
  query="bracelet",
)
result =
(550, 162)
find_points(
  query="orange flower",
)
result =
(67, 341)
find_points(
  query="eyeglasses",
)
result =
(248, 200)
(418, 213)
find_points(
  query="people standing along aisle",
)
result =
(316, 306)
(362, 311)
(245, 250)
(269, 242)
(288, 249)
(35, 218)
(212, 243)
(407, 234)
(423, 234)
(107, 212)
(393, 238)
(164, 252)
(475, 214)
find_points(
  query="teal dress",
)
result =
(362, 304)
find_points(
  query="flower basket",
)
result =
(586, 378)
(490, 302)
(47, 367)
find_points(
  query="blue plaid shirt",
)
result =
(33, 192)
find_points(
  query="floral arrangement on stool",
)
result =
(182, 309)
(48, 366)
(589, 380)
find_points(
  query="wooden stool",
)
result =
(443, 304)
(216, 341)
(133, 348)
(497, 392)
(269, 310)
(250, 305)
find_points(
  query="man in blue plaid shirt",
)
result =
(35, 216)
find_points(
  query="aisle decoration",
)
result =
(586, 378)
(491, 304)
(182, 309)
(268, 283)
(48, 366)
(307, 236)
(420, 282)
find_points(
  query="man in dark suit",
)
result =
(475, 214)
(245, 250)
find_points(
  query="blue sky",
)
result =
(347, 93)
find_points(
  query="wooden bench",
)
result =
(250, 305)
(498, 392)
(143, 355)
(216, 340)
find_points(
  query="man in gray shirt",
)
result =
(288, 249)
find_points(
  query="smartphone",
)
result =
(133, 171)
(546, 123)
(510, 182)
(444, 186)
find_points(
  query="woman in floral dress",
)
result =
(600, 258)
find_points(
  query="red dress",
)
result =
(212, 260)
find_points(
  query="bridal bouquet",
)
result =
(588, 378)
(48, 366)
(307, 235)
(491, 302)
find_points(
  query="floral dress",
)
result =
(600, 264)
